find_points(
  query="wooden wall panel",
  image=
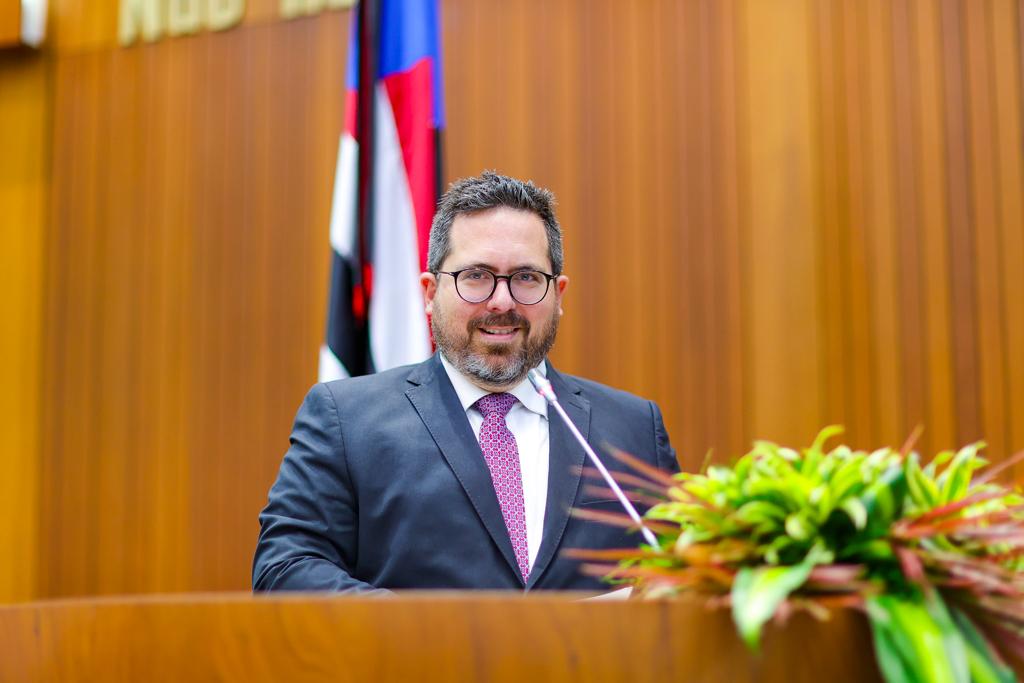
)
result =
(24, 104)
(191, 206)
(781, 264)
(778, 215)
(929, 194)
(986, 229)
(1006, 58)
(10, 23)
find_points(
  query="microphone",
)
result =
(543, 387)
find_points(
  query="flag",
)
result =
(386, 186)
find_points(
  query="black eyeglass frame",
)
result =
(455, 276)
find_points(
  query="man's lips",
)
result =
(498, 332)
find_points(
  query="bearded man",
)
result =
(451, 473)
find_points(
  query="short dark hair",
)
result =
(491, 190)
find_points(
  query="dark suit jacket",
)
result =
(385, 486)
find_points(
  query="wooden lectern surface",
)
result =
(414, 637)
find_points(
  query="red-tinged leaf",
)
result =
(826, 589)
(948, 559)
(706, 462)
(727, 550)
(782, 613)
(955, 525)
(912, 438)
(723, 601)
(995, 534)
(610, 571)
(691, 576)
(834, 602)
(956, 506)
(614, 554)
(836, 573)
(1005, 557)
(977, 575)
(719, 575)
(1010, 610)
(650, 471)
(621, 519)
(952, 582)
(911, 565)
(632, 496)
(813, 607)
(984, 580)
(1010, 643)
(625, 479)
(994, 471)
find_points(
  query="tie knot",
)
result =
(496, 403)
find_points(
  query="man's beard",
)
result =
(501, 365)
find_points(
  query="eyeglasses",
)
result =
(476, 285)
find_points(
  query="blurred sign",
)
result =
(152, 20)
(300, 8)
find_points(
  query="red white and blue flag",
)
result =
(385, 189)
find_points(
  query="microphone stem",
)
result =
(634, 515)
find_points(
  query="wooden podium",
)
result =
(414, 637)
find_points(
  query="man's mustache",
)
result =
(507, 319)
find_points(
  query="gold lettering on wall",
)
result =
(304, 8)
(137, 16)
(151, 19)
(224, 14)
(184, 17)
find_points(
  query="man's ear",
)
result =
(428, 281)
(561, 282)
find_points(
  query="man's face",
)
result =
(497, 341)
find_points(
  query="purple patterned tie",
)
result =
(502, 455)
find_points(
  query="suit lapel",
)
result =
(438, 406)
(565, 459)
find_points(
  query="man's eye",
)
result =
(528, 277)
(475, 275)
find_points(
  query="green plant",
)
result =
(932, 553)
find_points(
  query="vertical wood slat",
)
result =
(10, 23)
(942, 422)
(962, 263)
(24, 189)
(832, 229)
(911, 341)
(858, 362)
(686, 258)
(991, 368)
(1006, 59)
(784, 363)
(886, 386)
(731, 433)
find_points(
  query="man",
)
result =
(451, 473)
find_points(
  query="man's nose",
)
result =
(502, 299)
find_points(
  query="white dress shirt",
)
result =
(528, 422)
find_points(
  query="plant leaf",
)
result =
(858, 514)
(757, 593)
(984, 663)
(915, 641)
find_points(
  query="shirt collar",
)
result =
(470, 393)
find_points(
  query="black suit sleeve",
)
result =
(308, 530)
(666, 454)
